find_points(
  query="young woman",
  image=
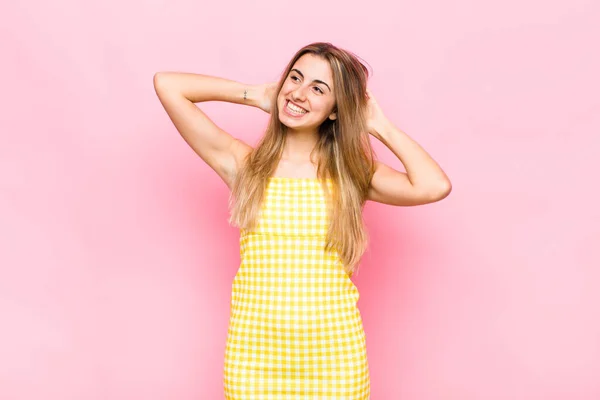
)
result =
(295, 330)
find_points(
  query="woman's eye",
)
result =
(295, 78)
(318, 89)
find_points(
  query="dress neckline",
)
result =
(294, 178)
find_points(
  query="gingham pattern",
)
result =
(295, 331)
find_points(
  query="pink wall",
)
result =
(116, 259)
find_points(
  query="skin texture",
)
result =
(309, 85)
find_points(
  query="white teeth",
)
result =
(295, 108)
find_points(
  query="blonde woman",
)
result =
(295, 331)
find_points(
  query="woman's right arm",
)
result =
(178, 91)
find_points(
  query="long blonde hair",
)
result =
(343, 153)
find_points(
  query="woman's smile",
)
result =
(294, 110)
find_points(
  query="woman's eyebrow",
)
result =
(316, 80)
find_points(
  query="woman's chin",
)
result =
(287, 121)
(294, 123)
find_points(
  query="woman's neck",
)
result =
(299, 145)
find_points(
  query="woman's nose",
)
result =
(299, 94)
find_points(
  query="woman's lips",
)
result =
(292, 113)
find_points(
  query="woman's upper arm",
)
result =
(389, 186)
(220, 150)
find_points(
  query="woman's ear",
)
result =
(333, 114)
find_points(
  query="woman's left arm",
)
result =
(424, 181)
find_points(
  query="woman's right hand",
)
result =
(266, 96)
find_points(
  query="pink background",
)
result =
(116, 259)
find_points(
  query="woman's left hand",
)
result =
(376, 120)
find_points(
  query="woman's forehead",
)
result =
(314, 67)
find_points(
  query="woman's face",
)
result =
(306, 98)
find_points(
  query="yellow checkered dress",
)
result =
(295, 331)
